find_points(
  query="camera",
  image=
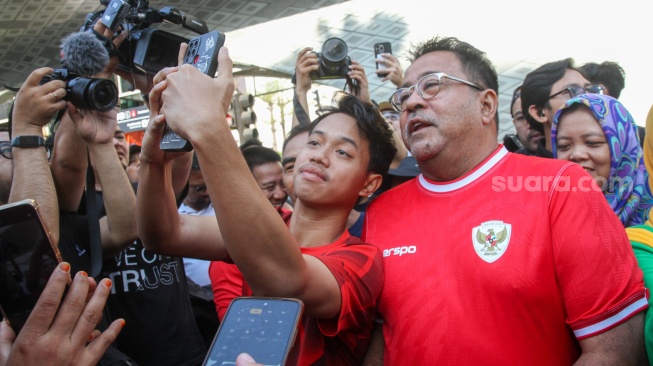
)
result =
(333, 60)
(86, 93)
(146, 50)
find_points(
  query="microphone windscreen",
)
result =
(83, 54)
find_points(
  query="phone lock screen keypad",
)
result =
(263, 328)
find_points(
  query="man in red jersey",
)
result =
(310, 256)
(557, 283)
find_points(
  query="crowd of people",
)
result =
(409, 233)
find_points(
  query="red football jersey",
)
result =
(344, 340)
(511, 264)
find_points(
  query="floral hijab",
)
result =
(631, 202)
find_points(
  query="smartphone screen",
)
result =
(264, 328)
(27, 259)
(379, 48)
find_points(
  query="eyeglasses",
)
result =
(199, 189)
(427, 87)
(390, 116)
(575, 90)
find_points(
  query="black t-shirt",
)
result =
(149, 291)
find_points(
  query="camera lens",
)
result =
(103, 95)
(334, 50)
(97, 94)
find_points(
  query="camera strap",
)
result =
(93, 217)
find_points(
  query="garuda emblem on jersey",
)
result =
(491, 239)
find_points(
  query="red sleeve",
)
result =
(227, 284)
(358, 268)
(601, 284)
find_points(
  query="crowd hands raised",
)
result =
(337, 162)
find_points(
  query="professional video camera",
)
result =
(333, 60)
(86, 93)
(145, 49)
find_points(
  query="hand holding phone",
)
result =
(202, 52)
(264, 328)
(379, 48)
(27, 258)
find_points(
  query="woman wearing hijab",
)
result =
(597, 132)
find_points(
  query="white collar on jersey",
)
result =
(499, 154)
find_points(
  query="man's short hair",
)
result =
(607, 73)
(537, 88)
(297, 130)
(256, 155)
(477, 66)
(195, 166)
(371, 125)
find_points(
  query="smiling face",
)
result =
(269, 177)
(580, 139)
(122, 147)
(332, 168)
(290, 153)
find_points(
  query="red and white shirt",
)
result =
(511, 264)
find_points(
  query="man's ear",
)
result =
(372, 183)
(489, 105)
(537, 114)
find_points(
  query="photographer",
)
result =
(143, 280)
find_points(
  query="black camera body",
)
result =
(86, 93)
(146, 50)
(334, 60)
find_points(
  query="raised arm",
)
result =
(34, 107)
(160, 226)
(307, 62)
(68, 165)
(392, 68)
(98, 130)
(255, 236)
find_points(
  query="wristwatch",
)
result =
(29, 141)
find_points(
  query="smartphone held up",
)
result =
(27, 258)
(379, 48)
(265, 328)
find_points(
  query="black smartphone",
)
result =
(263, 327)
(27, 258)
(202, 52)
(512, 143)
(379, 48)
(115, 13)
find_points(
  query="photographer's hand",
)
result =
(93, 126)
(117, 41)
(36, 104)
(61, 332)
(357, 73)
(307, 63)
(393, 69)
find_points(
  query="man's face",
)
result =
(198, 196)
(269, 177)
(571, 78)
(289, 156)
(122, 147)
(331, 170)
(6, 170)
(392, 116)
(441, 124)
(133, 168)
(528, 137)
